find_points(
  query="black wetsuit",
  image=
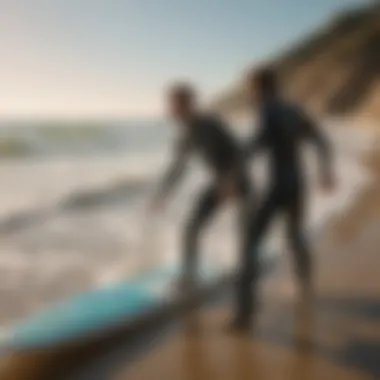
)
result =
(283, 130)
(208, 137)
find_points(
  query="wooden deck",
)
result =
(337, 336)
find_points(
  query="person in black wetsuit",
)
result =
(282, 131)
(209, 137)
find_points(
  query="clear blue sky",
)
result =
(113, 57)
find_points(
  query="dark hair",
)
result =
(182, 91)
(266, 79)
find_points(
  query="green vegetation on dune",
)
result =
(349, 46)
(343, 26)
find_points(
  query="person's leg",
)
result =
(297, 239)
(246, 207)
(248, 273)
(205, 208)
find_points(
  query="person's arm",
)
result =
(174, 172)
(315, 135)
(255, 144)
(227, 181)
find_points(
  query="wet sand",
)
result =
(336, 337)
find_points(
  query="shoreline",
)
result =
(52, 291)
(339, 272)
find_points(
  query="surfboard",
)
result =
(91, 312)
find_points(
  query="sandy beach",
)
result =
(337, 337)
(105, 105)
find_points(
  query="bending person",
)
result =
(208, 137)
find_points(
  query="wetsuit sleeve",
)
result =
(235, 170)
(181, 153)
(313, 133)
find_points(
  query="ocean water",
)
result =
(74, 205)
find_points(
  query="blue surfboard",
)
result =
(91, 312)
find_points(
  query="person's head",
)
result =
(263, 84)
(182, 101)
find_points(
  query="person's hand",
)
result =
(328, 183)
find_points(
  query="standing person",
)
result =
(283, 129)
(209, 137)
